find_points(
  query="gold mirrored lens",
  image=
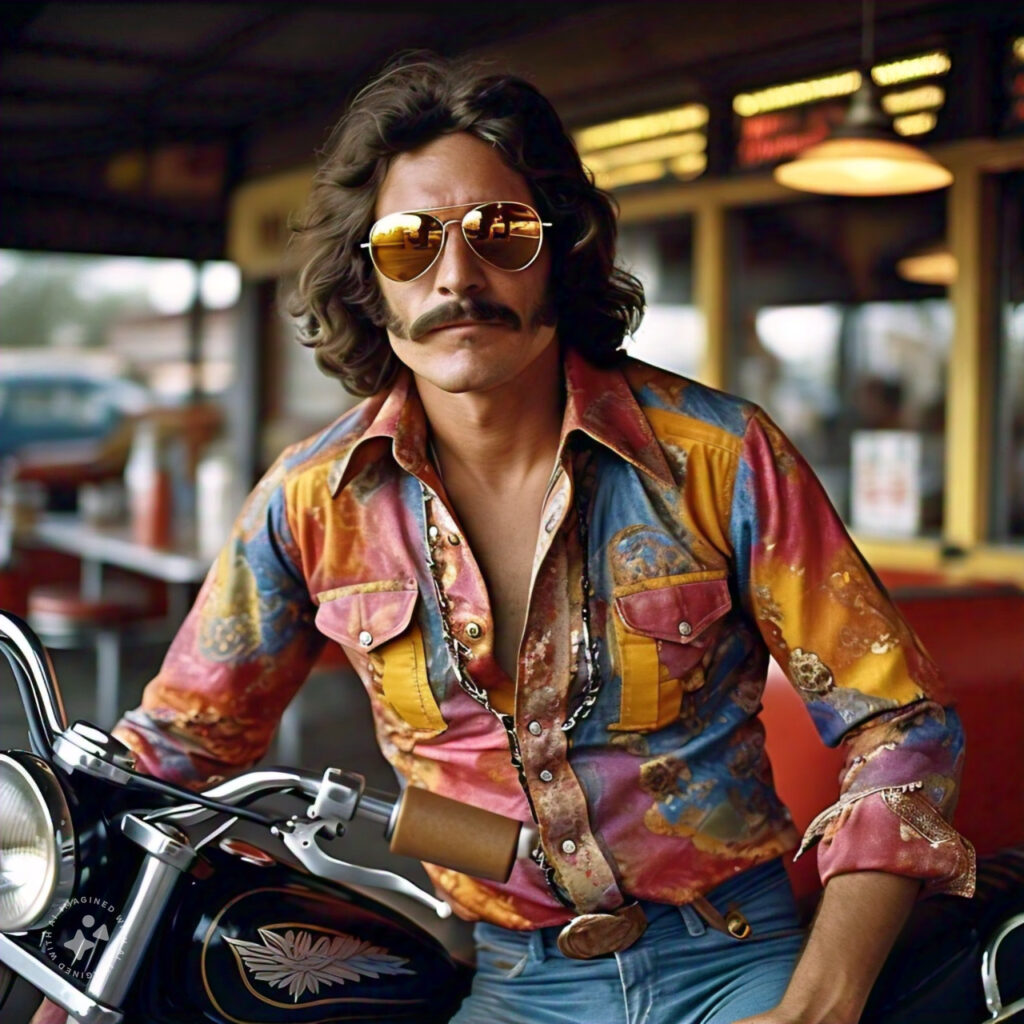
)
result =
(405, 244)
(506, 235)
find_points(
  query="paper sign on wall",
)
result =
(886, 482)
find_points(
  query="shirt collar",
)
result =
(399, 417)
(599, 403)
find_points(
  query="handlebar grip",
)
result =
(470, 839)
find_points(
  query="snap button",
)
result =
(545, 775)
(366, 638)
(685, 629)
(535, 728)
(454, 539)
(433, 533)
(568, 846)
(473, 631)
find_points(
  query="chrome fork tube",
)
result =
(168, 855)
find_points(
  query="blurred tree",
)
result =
(50, 300)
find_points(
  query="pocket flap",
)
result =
(679, 612)
(369, 616)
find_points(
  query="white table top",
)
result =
(114, 545)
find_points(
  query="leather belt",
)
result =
(593, 935)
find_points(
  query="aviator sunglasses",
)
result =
(507, 235)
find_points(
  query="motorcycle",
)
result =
(126, 899)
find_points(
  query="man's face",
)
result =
(433, 326)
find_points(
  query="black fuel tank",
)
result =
(263, 945)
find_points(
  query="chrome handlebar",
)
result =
(333, 798)
(34, 675)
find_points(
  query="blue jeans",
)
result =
(678, 972)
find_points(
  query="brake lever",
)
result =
(300, 839)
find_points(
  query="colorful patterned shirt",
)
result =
(709, 546)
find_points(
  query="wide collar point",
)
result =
(601, 404)
(398, 419)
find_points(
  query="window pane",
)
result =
(89, 343)
(122, 313)
(672, 332)
(1008, 477)
(848, 357)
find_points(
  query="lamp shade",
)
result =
(863, 157)
(863, 167)
(932, 264)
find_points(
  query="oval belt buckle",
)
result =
(592, 935)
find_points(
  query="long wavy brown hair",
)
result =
(417, 98)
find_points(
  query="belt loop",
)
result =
(694, 923)
(734, 922)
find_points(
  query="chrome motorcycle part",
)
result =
(228, 797)
(84, 1008)
(263, 782)
(85, 748)
(382, 809)
(179, 793)
(338, 795)
(33, 673)
(162, 841)
(342, 795)
(300, 838)
(37, 844)
(989, 979)
(129, 942)
(338, 803)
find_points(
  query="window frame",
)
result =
(965, 547)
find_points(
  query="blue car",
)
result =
(64, 427)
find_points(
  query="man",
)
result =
(559, 575)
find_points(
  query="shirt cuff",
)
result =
(159, 755)
(896, 830)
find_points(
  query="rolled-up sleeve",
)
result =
(864, 676)
(245, 648)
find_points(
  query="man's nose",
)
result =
(458, 271)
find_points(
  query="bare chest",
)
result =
(503, 537)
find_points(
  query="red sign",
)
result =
(780, 134)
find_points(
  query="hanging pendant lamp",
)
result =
(864, 156)
(930, 264)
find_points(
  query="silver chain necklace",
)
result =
(458, 654)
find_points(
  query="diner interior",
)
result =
(154, 154)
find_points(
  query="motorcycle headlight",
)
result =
(37, 844)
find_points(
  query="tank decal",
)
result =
(302, 961)
(299, 960)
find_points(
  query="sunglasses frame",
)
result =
(461, 221)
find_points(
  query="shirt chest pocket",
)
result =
(374, 622)
(661, 635)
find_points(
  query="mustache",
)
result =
(460, 310)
